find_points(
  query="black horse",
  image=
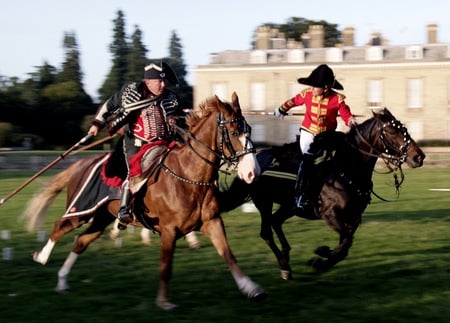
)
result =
(340, 191)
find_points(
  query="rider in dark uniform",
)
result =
(145, 111)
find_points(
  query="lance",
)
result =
(60, 157)
(291, 114)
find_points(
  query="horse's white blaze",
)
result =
(43, 255)
(248, 167)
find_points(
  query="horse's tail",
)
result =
(37, 208)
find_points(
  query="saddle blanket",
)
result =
(94, 193)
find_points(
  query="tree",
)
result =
(119, 50)
(176, 60)
(136, 56)
(176, 57)
(71, 70)
(295, 27)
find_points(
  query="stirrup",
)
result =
(301, 203)
(125, 217)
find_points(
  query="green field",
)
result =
(398, 269)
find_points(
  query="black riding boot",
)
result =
(302, 183)
(125, 217)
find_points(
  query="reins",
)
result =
(225, 141)
(392, 162)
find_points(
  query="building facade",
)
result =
(412, 81)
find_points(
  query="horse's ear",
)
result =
(235, 100)
(378, 111)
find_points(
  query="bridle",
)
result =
(392, 155)
(222, 138)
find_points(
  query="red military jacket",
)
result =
(321, 113)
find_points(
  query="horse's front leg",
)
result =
(61, 227)
(215, 230)
(277, 219)
(168, 241)
(267, 222)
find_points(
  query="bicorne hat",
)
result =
(321, 76)
(160, 71)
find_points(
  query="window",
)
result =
(258, 96)
(334, 54)
(296, 56)
(220, 89)
(259, 133)
(374, 53)
(414, 52)
(374, 94)
(258, 57)
(415, 93)
(448, 93)
(415, 129)
(293, 131)
(293, 89)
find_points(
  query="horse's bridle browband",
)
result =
(224, 141)
(396, 160)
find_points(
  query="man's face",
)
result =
(156, 86)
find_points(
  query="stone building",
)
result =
(413, 81)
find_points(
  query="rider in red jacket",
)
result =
(323, 105)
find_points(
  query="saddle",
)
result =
(145, 162)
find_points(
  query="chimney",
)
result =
(375, 39)
(432, 30)
(348, 36)
(317, 36)
(262, 38)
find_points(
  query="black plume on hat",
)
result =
(321, 76)
(160, 71)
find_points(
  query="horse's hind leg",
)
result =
(95, 230)
(346, 232)
(61, 227)
(215, 230)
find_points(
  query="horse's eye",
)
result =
(235, 133)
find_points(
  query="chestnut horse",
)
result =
(341, 189)
(179, 197)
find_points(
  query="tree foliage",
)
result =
(119, 49)
(136, 56)
(71, 69)
(295, 27)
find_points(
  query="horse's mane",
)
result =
(289, 151)
(203, 110)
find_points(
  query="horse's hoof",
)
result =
(113, 235)
(318, 264)
(37, 257)
(257, 294)
(166, 305)
(146, 242)
(62, 291)
(121, 226)
(286, 274)
(323, 251)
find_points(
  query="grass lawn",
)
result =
(398, 269)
